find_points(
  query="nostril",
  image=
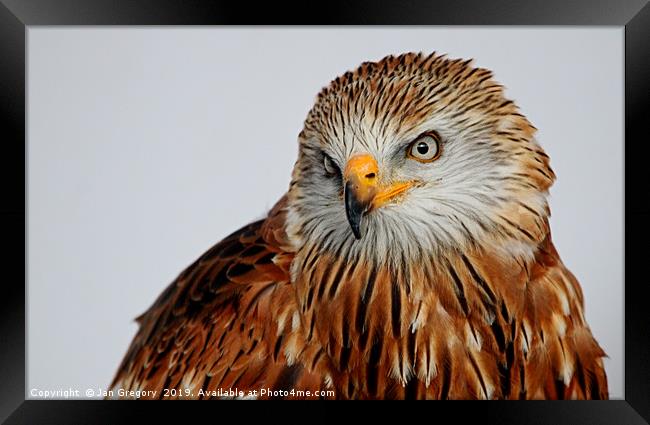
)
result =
(370, 175)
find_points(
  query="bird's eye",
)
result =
(330, 167)
(426, 148)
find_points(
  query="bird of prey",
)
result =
(410, 258)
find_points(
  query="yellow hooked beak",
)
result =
(363, 190)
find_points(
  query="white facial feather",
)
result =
(452, 205)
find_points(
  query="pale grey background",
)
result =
(146, 146)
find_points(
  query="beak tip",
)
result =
(354, 210)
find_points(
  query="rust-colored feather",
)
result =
(229, 321)
(215, 327)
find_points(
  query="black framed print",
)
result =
(412, 200)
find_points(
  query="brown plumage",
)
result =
(392, 268)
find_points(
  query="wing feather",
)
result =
(565, 361)
(215, 327)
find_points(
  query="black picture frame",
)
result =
(16, 16)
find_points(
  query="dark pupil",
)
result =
(422, 148)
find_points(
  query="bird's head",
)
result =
(414, 154)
